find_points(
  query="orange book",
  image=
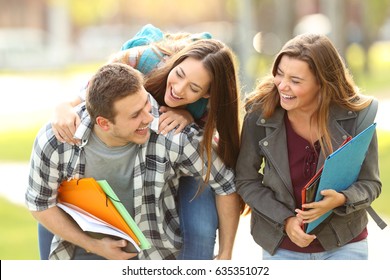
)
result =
(87, 194)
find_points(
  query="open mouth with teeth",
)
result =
(288, 97)
(142, 130)
(174, 96)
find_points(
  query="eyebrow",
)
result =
(298, 78)
(293, 77)
(184, 74)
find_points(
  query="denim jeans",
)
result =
(198, 223)
(351, 251)
(198, 220)
(44, 241)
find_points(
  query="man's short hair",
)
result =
(110, 83)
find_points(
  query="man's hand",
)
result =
(110, 249)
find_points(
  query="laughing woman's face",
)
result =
(187, 83)
(297, 86)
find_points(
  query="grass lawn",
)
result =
(18, 234)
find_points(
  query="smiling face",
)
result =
(131, 122)
(297, 86)
(187, 82)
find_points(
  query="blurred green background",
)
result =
(48, 49)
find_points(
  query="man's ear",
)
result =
(103, 123)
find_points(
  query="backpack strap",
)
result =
(366, 118)
(374, 215)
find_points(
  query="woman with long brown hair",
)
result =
(295, 118)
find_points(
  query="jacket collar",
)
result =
(274, 142)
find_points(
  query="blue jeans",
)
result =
(351, 251)
(44, 241)
(198, 223)
(198, 220)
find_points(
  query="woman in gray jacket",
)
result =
(295, 118)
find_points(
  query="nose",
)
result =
(147, 115)
(282, 84)
(179, 88)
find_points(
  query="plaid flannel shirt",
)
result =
(159, 164)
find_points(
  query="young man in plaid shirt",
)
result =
(119, 143)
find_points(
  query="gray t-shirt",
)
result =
(113, 164)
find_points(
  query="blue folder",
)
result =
(342, 168)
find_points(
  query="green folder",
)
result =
(125, 214)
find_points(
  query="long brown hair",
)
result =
(326, 64)
(223, 111)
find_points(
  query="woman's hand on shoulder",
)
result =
(65, 122)
(173, 118)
